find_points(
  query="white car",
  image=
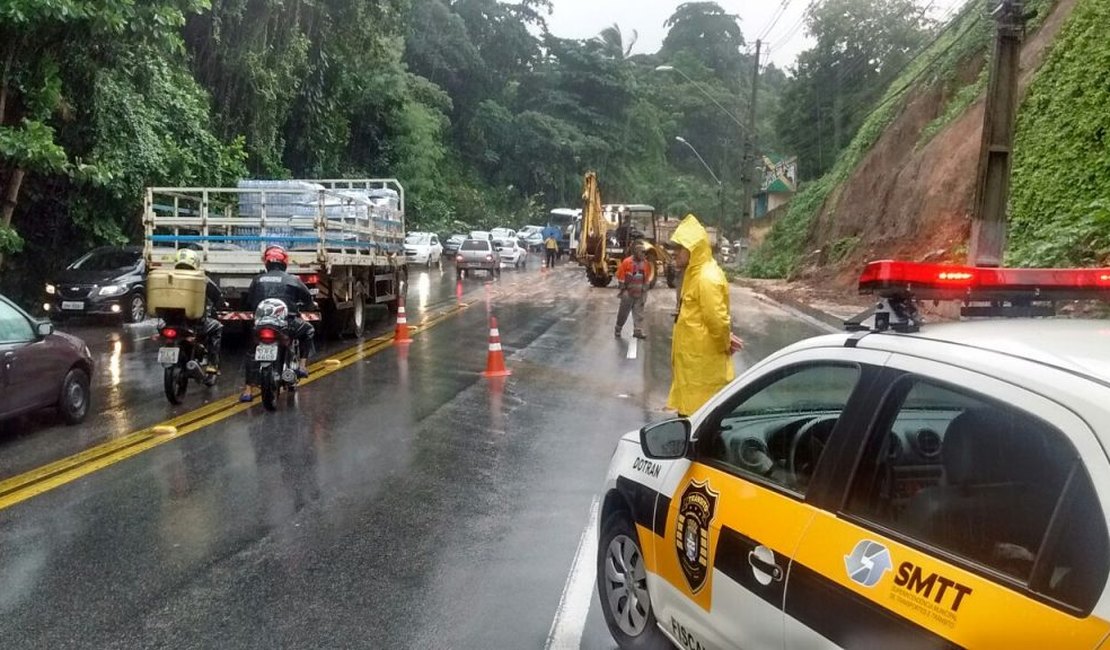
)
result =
(423, 248)
(896, 485)
(512, 253)
(503, 233)
(481, 234)
(532, 236)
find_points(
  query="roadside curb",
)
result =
(785, 299)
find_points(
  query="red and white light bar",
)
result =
(946, 281)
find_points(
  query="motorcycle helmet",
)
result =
(275, 256)
(187, 259)
(271, 312)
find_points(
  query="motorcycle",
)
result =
(183, 357)
(276, 353)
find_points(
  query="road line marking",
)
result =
(633, 345)
(21, 487)
(574, 605)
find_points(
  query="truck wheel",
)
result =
(599, 280)
(358, 317)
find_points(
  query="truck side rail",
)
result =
(233, 225)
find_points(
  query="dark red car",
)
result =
(40, 368)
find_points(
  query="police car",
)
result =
(898, 485)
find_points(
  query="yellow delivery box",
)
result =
(176, 290)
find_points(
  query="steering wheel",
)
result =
(808, 445)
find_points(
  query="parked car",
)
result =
(512, 253)
(481, 234)
(531, 237)
(478, 255)
(503, 233)
(108, 280)
(451, 245)
(40, 368)
(423, 248)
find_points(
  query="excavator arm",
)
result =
(591, 245)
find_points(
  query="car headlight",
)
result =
(51, 289)
(112, 290)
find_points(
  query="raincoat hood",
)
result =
(692, 236)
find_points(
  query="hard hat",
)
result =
(187, 258)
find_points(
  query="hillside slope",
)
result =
(905, 187)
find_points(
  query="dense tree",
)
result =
(861, 45)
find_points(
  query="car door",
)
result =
(971, 520)
(741, 507)
(24, 368)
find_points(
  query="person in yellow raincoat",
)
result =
(703, 343)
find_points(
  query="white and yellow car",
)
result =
(941, 486)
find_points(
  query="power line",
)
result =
(774, 19)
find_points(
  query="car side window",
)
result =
(985, 482)
(14, 326)
(778, 432)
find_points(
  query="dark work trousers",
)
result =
(634, 305)
(552, 254)
(212, 331)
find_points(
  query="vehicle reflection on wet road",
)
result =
(399, 501)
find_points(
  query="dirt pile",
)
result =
(910, 202)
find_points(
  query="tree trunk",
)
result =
(7, 208)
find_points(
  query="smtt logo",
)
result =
(868, 563)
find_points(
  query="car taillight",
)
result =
(459, 258)
(489, 258)
(169, 333)
(267, 335)
(310, 279)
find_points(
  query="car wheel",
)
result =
(622, 587)
(135, 311)
(73, 403)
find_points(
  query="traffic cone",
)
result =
(401, 334)
(495, 360)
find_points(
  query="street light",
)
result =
(720, 188)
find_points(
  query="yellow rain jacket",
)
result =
(701, 360)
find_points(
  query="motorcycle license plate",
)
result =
(266, 353)
(168, 356)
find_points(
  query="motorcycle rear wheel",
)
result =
(269, 390)
(175, 381)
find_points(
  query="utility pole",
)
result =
(748, 170)
(992, 191)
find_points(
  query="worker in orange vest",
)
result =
(634, 276)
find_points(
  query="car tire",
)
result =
(135, 309)
(622, 586)
(73, 402)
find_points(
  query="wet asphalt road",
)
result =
(403, 501)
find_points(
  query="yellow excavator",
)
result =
(608, 233)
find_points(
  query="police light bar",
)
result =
(889, 278)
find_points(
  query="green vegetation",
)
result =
(1060, 213)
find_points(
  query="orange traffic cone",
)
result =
(495, 360)
(401, 334)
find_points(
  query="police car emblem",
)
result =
(695, 511)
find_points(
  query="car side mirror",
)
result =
(666, 440)
(44, 329)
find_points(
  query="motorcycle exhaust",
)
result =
(195, 371)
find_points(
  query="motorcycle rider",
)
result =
(277, 283)
(211, 329)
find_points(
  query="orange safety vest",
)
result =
(634, 275)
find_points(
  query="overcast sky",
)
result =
(585, 18)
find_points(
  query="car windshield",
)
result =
(106, 260)
(418, 240)
(475, 245)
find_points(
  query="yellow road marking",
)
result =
(24, 486)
